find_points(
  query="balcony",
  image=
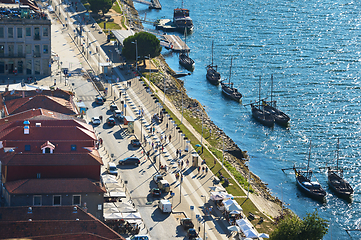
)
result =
(37, 55)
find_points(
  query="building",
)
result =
(55, 223)
(25, 40)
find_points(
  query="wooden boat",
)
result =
(229, 90)
(336, 181)
(212, 75)
(280, 117)
(181, 19)
(312, 188)
(260, 113)
(184, 59)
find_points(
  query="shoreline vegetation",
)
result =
(266, 208)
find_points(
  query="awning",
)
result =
(134, 216)
(113, 216)
(247, 228)
(117, 194)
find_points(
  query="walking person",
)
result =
(215, 162)
(170, 137)
(177, 152)
(166, 126)
(153, 145)
(165, 138)
(180, 153)
(206, 168)
(187, 162)
(181, 164)
(199, 169)
(202, 169)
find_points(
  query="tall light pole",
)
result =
(222, 151)
(164, 90)
(182, 108)
(141, 125)
(204, 220)
(202, 129)
(136, 54)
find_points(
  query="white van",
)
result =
(112, 168)
(165, 206)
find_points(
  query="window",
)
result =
(57, 200)
(2, 50)
(1, 32)
(45, 49)
(45, 32)
(10, 32)
(38, 175)
(100, 207)
(20, 33)
(28, 31)
(37, 51)
(37, 33)
(37, 200)
(20, 50)
(11, 50)
(76, 200)
(73, 147)
(28, 49)
(27, 148)
(29, 66)
(21, 69)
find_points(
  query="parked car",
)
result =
(156, 192)
(186, 223)
(111, 121)
(113, 107)
(95, 120)
(130, 161)
(138, 237)
(192, 233)
(99, 100)
(118, 115)
(135, 142)
(112, 169)
(157, 178)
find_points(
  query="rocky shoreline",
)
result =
(174, 89)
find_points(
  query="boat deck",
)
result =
(177, 43)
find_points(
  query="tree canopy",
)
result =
(147, 43)
(100, 5)
(312, 227)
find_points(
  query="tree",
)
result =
(100, 5)
(147, 43)
(312, 227)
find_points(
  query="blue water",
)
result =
(312, 48)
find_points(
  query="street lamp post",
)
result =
(204, 220)
(141, 126)
(182, 108)
(164, 90)
(136, 54)
(202, 131)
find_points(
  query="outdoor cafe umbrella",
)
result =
(263, 235)
(233, 228)
(250, 233)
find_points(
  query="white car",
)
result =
(138, 237)
(95, 120)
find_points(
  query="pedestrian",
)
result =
(139, 111)
(177, 152)
(181, 164)
(153, 129)
(165, 138)
(130, 83)
(161, 138)
(215, 162)
(166, 126)
(187, 162)
(203, 169)
(170, 137)
(120, 95)
(206, 169)
(54, 82)
(153, 145)
(199, 169)
(180, 153)
(181, 177)
(101, 141)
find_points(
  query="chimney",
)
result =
(75, 210)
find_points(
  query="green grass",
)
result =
(116, 8)
(109, 25)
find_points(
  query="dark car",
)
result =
(99, 100)
(118, 115)
(135, 142)
(186, 223)
(111, 121)
(130, 161)
(113, 107)
(156, 192)
(192, 233)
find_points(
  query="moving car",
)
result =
(165, 206)
(112, 168)
(118, 115)
(135, 142)
(99, 100)
(95, 120)
(186, 223)
(111, 121)
(164, 186)
(156, 192)
(157, 178)
(113, 107)
(192, 233)
(138, 237)
(130, 161)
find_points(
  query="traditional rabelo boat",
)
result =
(229, 90)
(260, 113)
(270, 106)
(181, 19)
(312, 188)
(184, 59)
(212, 75)
(336, 181)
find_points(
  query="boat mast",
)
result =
(272, 90)
(308, 164)
(259, 91)
(337, 152)
(230, 71)
(212, 54)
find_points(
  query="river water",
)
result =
(312, 48)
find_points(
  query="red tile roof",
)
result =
(55, 223)
(51, 103)
(51, 159)
(53, 186)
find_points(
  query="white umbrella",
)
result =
(233, 228)
(250, 233)
(235, 212)
(263, 235)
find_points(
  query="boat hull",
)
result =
(186, 62)
(262, 117)
(316, 192)
(280, 117)
(231, 93)
(339, 185)
(213, 76)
